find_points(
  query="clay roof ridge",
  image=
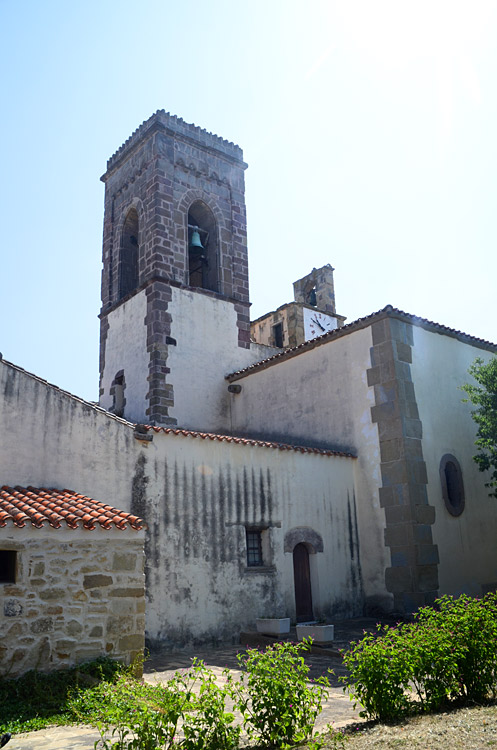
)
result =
(22, 505)
(249, 441)
(388, 310)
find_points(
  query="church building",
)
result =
(299, 465)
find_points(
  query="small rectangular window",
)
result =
(8, 565)
(278, 335)
(254, 548)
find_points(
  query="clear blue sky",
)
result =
(369, 128)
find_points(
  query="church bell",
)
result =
(195, 242)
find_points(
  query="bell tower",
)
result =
(175, 294)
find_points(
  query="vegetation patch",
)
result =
(448, 655)
(37, 700)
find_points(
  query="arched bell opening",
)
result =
(202, 247)
(128, 265)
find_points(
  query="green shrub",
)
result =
(130, 714)
(210, 726)
(380, 669)
(278, 705)
(466, 656)
(448, 654)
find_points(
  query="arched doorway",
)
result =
(302, 582)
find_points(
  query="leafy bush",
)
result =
(467, 652)
(210, 727)
(36, 699)
(448, 654)
(380, 668)
(278, 705)
(131, 714)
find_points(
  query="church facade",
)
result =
(297, 467)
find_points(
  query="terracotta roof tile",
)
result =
(244, 441)
(35, 506)
(387, 311)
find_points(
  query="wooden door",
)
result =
(302, 581)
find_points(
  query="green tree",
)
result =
(483, 395)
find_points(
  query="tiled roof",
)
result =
(31, 505)
(244, 441)
(387, 311)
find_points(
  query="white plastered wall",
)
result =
(466, 543)
(196, 496)
(52, 439)
(126, 349)
(198, 582)
(206, 334)
(321, 396)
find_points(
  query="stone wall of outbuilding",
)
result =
(78, 594)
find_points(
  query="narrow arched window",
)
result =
(202, 247)
(128, 262)
(117, 392)
(452, 484)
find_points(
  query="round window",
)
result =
(452, 484)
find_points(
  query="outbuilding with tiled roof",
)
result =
(71, 580)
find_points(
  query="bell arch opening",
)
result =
(202, 247)
(128, 261)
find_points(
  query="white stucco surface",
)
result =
(321, 397)
(52, 439)
(126, 349)
(198, 498)
(205, 329)
(466, 543)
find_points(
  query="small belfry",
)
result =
(311, 314)
(174, 232)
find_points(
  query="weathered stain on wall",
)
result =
(197, 497)
(202, 496)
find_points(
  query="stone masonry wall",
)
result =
(412, 577)
(160, 171)
(78, 595)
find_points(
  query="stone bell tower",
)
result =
(175, 297)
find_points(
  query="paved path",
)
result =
(338, 710)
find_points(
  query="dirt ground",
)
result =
(461, 729)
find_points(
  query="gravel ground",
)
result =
(461, 729)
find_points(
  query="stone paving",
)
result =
(338, 710)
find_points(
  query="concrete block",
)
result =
(427, 554)
(398, 514)
(422, 533)
(403, 556)
(373, 375)
(404, 353)
(391, 450)
(426, 578)
(394, 472)
(424, 514)
(380, 331)
(398, 580)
